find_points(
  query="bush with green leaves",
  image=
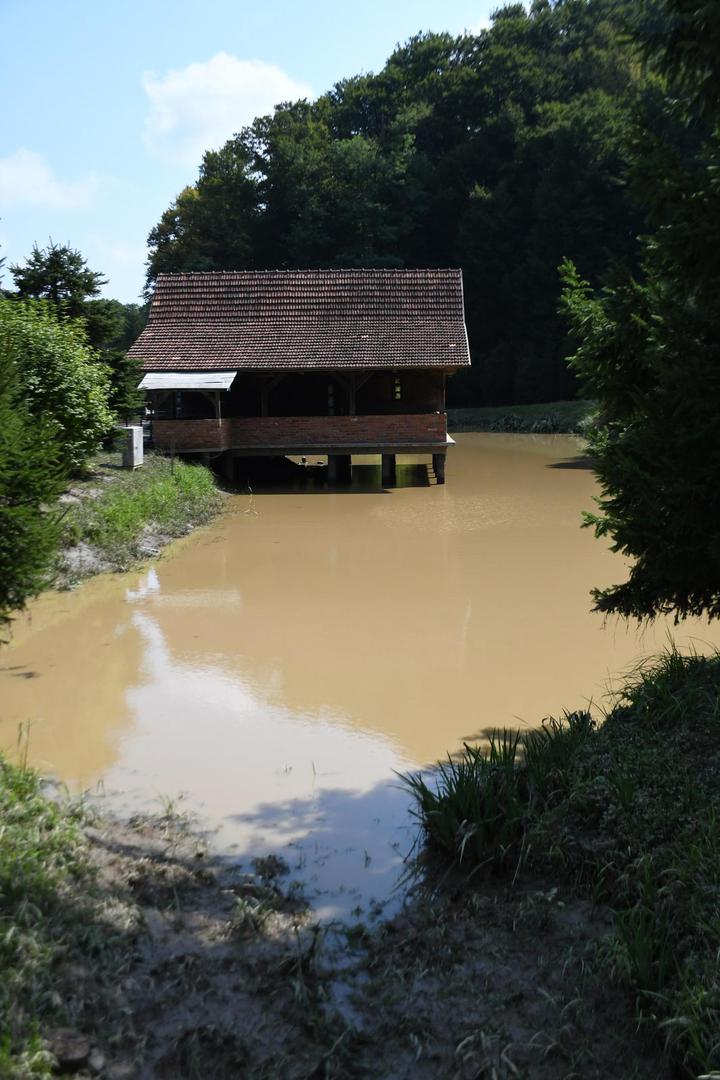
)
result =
(61, 378)
(30, 481)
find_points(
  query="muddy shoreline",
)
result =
(209, 970)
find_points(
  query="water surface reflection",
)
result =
(280, 665)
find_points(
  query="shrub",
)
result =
(61, 378)
(30, 479)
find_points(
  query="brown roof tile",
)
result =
(304, 319)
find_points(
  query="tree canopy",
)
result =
(649, 344)
(60, 275)
(501, 152)
(61, 378)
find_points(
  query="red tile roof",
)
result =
(305, 319)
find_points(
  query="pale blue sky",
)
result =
(107, 105)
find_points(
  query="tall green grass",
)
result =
(628, 812)
(40, 851)
(476, 806)
(163, 496)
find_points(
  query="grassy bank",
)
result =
(116, 518)
(41, 867)
(556, 417)
(628, 814)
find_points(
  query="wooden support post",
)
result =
(388, 470)
(267, 383)
(439, 467)
(352, 383)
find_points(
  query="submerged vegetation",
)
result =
(628, 813)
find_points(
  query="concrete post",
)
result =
(339, 468)
(332, 470)
(345, 467)
(388, 470)
(228, 466)
(439, 467)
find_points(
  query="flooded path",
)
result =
(277, 667)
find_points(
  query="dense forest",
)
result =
(503, 153)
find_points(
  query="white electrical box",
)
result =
(133, 450)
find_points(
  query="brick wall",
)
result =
(190, 434)
(338, 430)
(300, 431)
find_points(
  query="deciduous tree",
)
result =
(61, 378)
(499, 152)
(30, 481)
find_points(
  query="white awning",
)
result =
(187, 380)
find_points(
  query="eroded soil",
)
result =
(197, 969)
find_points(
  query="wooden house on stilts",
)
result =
(304, 362)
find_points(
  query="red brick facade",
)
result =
(301, 432)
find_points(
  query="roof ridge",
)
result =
(314, 270)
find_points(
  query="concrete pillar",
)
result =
(344, 464)
(227, 464)
(332, 469)
(339, 468)
(388, 469)
(439, 467)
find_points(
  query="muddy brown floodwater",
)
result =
(278, 667)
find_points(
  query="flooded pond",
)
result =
(278, 667)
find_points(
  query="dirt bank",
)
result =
(191, 968)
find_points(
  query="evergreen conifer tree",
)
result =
(649, 350)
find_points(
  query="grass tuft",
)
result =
(139, 510)
(41, 848)
(477, 805)
(628, 812)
